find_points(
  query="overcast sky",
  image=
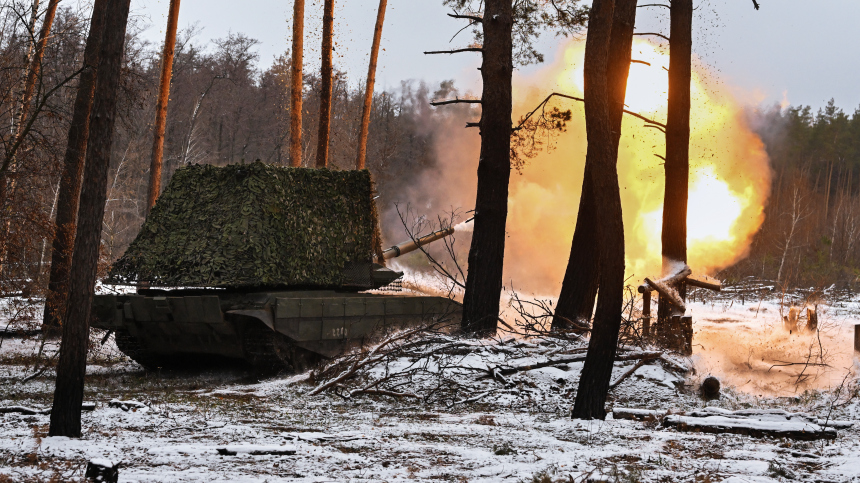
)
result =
(796, 50)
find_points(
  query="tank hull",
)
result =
(283, 330)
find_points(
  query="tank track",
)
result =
(130, 346)
(269, 351)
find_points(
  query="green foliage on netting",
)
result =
(254, 225)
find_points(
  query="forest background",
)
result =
(226, 107)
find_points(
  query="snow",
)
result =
(513, 431)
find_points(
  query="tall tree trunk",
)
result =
(71, 367)
(602, 155)
(487, 251)
(325, 84)
(35, 69)
(677, 166)
(368, 88)
(296, 90)
(579, 288)
(161, 105)
(69, 193)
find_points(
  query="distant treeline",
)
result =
(811, 233)
(224, 108)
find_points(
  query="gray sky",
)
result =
(804, 52)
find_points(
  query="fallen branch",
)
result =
(629, 373)
(750, 427)
(624, 357)
(87, 406)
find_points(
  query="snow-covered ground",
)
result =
(511, 428)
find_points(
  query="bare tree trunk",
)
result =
(71, 367)
(487, 251)
(296, 83)
(161, 105)
(35, 68)
(325, 85)
(602, 155)
(677, 164)
(368, 88)
(70, 181)
(579, 288)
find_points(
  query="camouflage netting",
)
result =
(254, 225)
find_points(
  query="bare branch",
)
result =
(654, 34)
(455, 51)
(456, 100)
(653, 5)
(634, 61)
(474, 18)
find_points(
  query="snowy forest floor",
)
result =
(475, 428)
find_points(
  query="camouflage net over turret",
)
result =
(254, 225)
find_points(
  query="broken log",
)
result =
(704, 282)
(802, 431)
(646, 314)
(667, 295)
(670, 280)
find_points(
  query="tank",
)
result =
(265, 265)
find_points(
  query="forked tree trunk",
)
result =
(71, 367)
(487, 251)
(296, 89)
(368, 88)
(70, 181)
(677, 166)
(325, 84)
(579, 288)
(602, 155)
(161, 105)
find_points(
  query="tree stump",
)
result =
(102, 471)
(710, 388)
(812, 320)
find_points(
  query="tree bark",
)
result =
(487, 251)
(36, 62)
(70, 180)
(325, 84)
(71, 367)
(296, 83)
(579, 288)
(7, 178)
(602, 154)
(677, 166)
(368, 88)
(161, 105)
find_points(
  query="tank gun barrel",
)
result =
(412, 245)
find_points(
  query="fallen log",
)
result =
(636, 414)
(28, 411)
(253, 449)
(798, 430)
